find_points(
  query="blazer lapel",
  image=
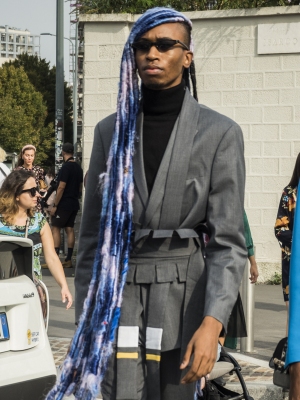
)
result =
(138, 165)
(158, 189)
(176, 180)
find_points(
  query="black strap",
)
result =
(5, 174)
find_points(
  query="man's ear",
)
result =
(188, 59)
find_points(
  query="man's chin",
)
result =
(154, 85)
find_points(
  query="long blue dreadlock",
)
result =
(86, 362)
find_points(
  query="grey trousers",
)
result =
(170, 376)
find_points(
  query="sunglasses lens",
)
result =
(165, 45)
(33, 191)
(142, 46)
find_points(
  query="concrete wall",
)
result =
(260, 92)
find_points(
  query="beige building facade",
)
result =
(248, 68)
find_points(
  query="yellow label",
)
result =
(29, 335)
(153, 357)
(127, 355)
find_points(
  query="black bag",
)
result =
(214, 391)
(281, 375)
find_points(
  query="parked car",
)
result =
(27, 368)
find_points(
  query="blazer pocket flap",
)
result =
(166, 272)
(145, 273)
(131, 273)
(182, 271)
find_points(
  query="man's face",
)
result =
(163, 70)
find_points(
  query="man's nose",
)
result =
(153, 53)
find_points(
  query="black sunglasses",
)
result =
(32, 191)
(162, 45)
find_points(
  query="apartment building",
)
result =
(14, 41)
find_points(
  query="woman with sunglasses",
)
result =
(18, 217)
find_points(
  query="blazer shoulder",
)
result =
(106, 124)
(218, 118)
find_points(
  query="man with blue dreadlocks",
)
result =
(155, 305)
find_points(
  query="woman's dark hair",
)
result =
(20, 159)
(11, 188)
(296, 173)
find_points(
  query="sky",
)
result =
(38, 16)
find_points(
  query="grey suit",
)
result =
(201, 179)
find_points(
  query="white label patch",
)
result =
(153, 338)
(128, 336)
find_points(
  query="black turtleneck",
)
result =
(161, 109)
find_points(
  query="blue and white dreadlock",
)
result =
(86, 362)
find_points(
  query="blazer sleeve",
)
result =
(248, 236)
(89, 228)
(226, 252)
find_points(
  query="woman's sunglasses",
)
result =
(162, 45)
(32, 191)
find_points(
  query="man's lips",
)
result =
(152, 69)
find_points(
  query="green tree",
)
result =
(22, 114)
(140, 6)
(43, 78)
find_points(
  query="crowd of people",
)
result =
(23, 212)
(160, 260)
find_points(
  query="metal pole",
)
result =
(247, 295)
(59, 96)
(75, 90)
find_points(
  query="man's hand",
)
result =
(253, 270)
(203, 345)
(52, 211)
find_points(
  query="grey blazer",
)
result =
(205, 154)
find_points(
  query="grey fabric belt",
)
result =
(164, 233)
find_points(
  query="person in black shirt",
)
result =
(66, 203)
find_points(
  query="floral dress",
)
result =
(36, 224)
(283, 232)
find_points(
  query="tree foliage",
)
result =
(140, 6)
(22, 113)
(43, 78)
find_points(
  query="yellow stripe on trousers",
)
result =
(153, 357)
(127, 355)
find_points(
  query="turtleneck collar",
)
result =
(168, 101)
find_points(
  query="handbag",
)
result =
(42, 184)
(281, 375)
